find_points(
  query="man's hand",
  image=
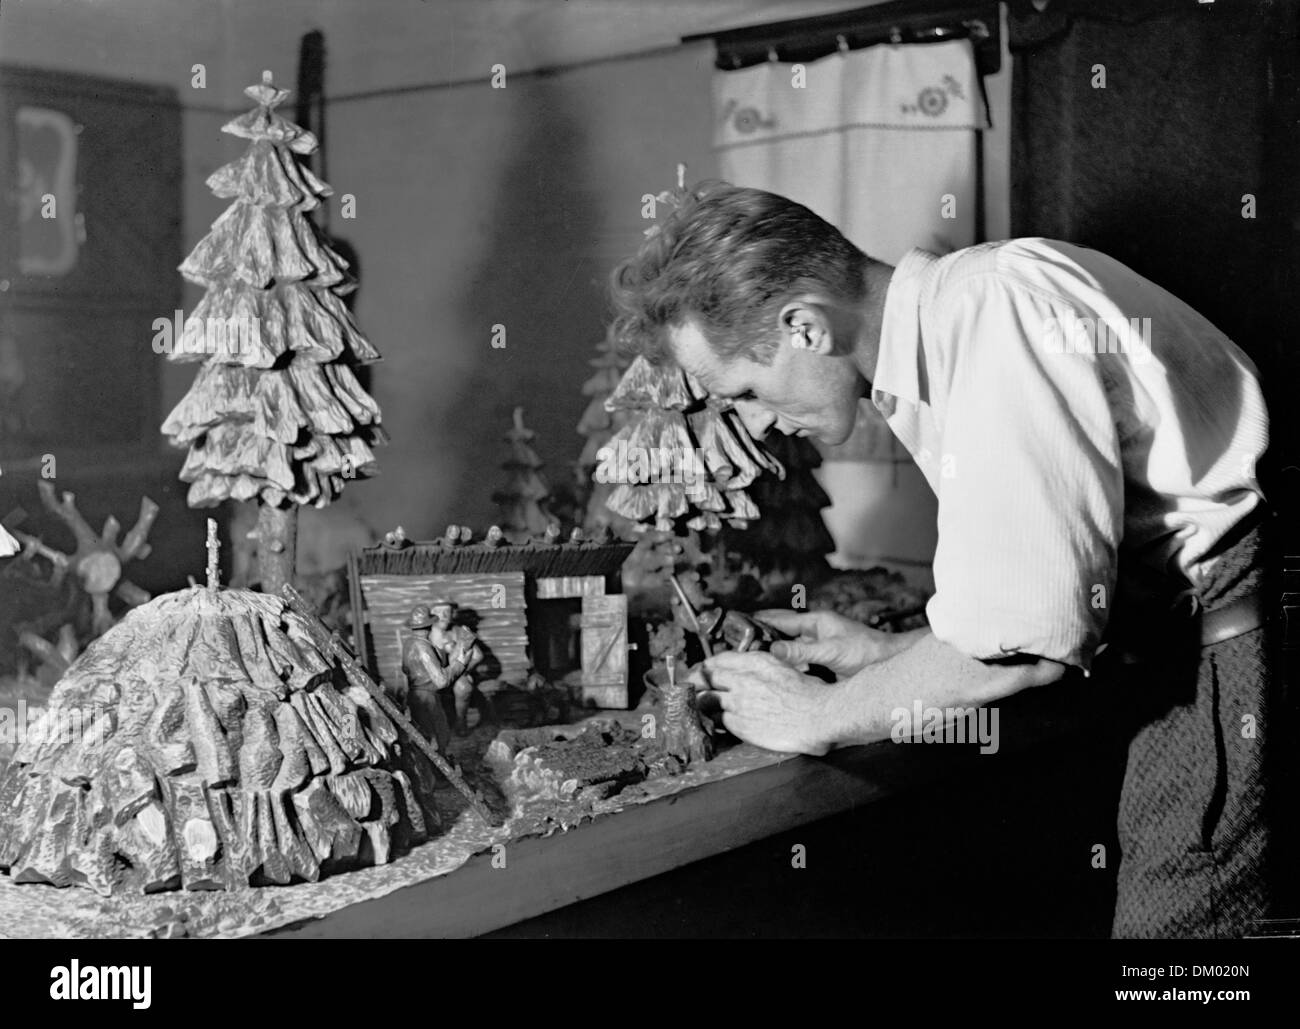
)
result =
(829, 639)
(766, 702)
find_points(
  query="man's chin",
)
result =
(830, 437)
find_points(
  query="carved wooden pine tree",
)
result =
(790, 542)
(680, 457)
(276, 413)
(523, 497)
(681, 466)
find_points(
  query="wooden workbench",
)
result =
(542, 874)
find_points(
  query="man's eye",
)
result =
(747, 395)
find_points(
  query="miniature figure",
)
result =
(426, 673)
(461, 655)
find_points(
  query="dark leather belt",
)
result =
(1223, 623)
(1232, 620)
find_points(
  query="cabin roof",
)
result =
(539, 560)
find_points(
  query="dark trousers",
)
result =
(429, 716)
(1203, 784)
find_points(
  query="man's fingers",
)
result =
(808, 652)
(792, 652)
(792, 623)
(732, 672)
(734, 660)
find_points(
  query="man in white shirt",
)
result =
(1092, 442)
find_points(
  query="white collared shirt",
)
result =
(1065, 411)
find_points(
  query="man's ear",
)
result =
(805, 326)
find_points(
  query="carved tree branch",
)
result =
(131, 594)
(45, 651)
(108, 534)
(66, 510)
(133, 545)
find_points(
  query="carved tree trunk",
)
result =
(277, 541)
(243, 543)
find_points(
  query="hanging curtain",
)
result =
(881, 142)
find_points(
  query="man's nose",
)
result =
(757, 418)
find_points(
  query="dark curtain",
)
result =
(1198, 109)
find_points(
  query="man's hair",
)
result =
(728, 257)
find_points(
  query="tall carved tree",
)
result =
(276, 413)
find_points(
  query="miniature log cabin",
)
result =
(552, 607)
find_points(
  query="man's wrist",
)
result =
(895, 643)
(832, 720)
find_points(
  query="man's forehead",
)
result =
(692, 353)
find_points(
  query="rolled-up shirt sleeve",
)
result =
(1030, 481)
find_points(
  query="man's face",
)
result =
(800, 393)
(441, 616)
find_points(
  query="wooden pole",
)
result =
(214, 556)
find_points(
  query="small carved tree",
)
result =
(524, 495)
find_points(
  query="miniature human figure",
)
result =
(460, 652)
(495, 537)
(426, 673)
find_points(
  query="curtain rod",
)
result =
(903, 21)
